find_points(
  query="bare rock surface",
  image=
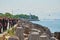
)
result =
(26, 30)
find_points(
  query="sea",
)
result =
(53, 25)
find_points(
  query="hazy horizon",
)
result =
(44, 9)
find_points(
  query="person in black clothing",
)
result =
(5, 22)
(14, 21)
(1, 25)
(10, 23)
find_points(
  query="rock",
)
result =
(36, 30)
(53, 38)
(31, 27)
(44, 36)
(34, 36)
(19, 33)
(13, 38)
(57, 35)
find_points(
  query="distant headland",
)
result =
(29, 17)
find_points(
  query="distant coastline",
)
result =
(33, 20)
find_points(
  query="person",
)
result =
(1, 25)
(10, 22)
(5, 22)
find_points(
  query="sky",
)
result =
(44, 9)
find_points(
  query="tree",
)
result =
(1, 14)
(8, 15)
(24, 16)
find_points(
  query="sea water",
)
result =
(53, 25)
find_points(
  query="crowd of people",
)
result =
(4, 22)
